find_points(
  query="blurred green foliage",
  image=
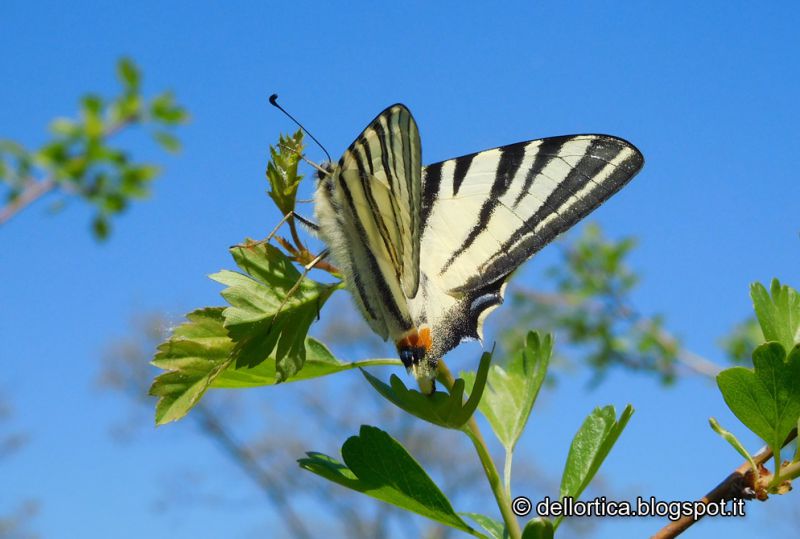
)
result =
(80, 159)
(590, 309)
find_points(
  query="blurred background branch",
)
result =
(80, 161)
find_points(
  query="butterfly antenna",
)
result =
(273, 99)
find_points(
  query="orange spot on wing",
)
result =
(416, 338)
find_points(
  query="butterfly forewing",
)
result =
(373, 228)
(484, 214)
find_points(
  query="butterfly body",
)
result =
(426, 251)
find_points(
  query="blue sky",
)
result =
(706, 90)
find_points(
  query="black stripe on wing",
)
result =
(372, 273)
(559, 211)
(462, 166)
(546, 152)
(587, 185)
(430, 189)
(511, 157)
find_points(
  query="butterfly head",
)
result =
(325, 170)
(414, 351)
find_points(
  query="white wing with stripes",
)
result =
(368, 213)
(485, 213)
(426, 253)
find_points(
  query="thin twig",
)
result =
(33, 191)
(739, 484)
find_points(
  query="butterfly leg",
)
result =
(292, 214)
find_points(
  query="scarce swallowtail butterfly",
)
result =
(426, 251)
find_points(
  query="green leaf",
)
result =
(65, 127)
(766, 400)
(101, 228)
(319, 362)
(164, 109)
(128, 74)
(197, 356)
(734, 441)
(134, 179)
(378, 466)
(92, 104)
(778, 315)
(196, 353)
(282, 171)
(590, 447)
(271, 307)
(127, 108)
(168, 141)
(494, 528)
(539, 528)
(511, 391)
(443, 409)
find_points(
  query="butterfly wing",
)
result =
(485, 213)
(368, 209)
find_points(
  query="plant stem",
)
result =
(473, 431)
(791, 471)
(507, 472)
(376, 362)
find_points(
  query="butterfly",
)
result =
(427, 251)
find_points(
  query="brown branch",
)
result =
(740, 484)
(33, 191)
(36, 189)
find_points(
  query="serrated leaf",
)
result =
(282, 171)
(319, 362)
(168, 141)
(271, 308)
(197, 356)
(766, 399)
(778, 313)
(196, 353)
(494, 528)
(379, 466)
(539, 528)
(443, 409)
(511, 391)
(590, 447)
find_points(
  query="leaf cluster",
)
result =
(80, 159)
(590, 308)
(766, 398)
